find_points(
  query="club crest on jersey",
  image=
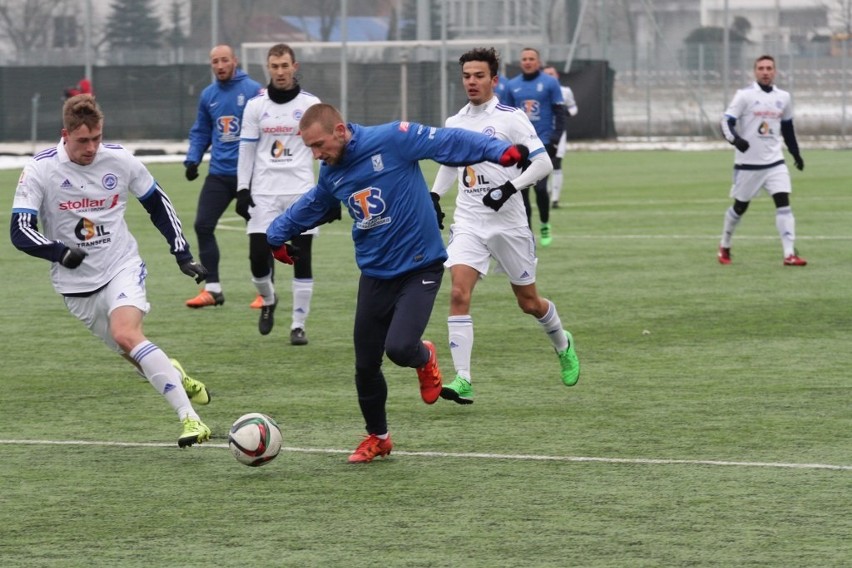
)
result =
(297, 114)
(489, 131)
(367, 207)
(109, 181)
(378, 165)
(241, 100)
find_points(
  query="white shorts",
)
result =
(267, 208)
(512, 249)
(748, 183)
(126, 289)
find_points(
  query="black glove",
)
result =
(331, 216)
(741, 144)
(499, 195)
(73, 257)
(193, 269)
(286, 253)
(515, 155)
(438, 213)
(551, 149)
(244, 201)
(191, 172)
(800, 163)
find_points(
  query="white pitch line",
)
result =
(705, 237)
(485, 456)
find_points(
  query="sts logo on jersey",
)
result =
(533, 109)
(367, 206)
(228, 128)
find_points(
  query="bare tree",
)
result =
(842, 22)
(27, 22)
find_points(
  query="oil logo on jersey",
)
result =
(278, 151)
(91, 234)
(474, 182)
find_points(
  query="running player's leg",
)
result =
(542, 200)
(556, 181)
(302, 288)
(373, 314)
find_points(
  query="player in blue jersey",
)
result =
(217, 127)
(501, 87)
(80, 190)
(375, 172)
(540, 96)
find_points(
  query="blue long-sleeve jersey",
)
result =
(380, 182)
(540, 96)
(218, 123)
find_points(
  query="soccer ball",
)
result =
(254, 439)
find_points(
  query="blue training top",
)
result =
(536, 97)
(219, 120)
(379, 180)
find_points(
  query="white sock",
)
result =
(461, 343)
(303, 289)
(265, 288)
(553, 327)
(163, 377)
(730, 225)
(786, 225)
(555, 185)
(213, 287)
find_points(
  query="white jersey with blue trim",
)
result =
(84, 206)
(759, 115)
(504, 123)
(273, 158)
(571, 108)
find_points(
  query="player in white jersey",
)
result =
(755, 122)
(80, 190)
(275, 168)
(490, 222)
(556, 178)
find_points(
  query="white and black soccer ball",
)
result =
(254, 439)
